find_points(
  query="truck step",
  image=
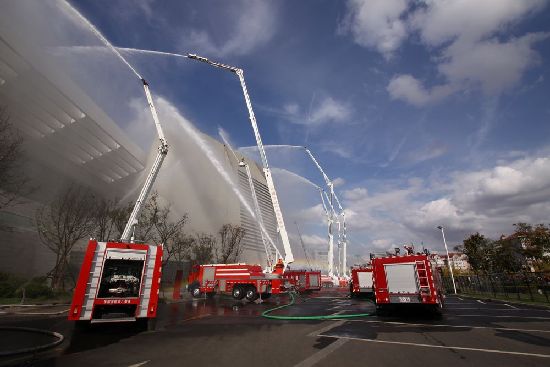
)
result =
(120, 319)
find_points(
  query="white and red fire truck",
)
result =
(407, 279)
(361, 282)
(304, 280)
(239, 280)
(117, 282)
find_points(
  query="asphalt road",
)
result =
(223, 332)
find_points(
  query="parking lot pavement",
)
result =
(224, 332)
(470, 332)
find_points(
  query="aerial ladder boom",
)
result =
(335, 219)
(342, 227)
(146, 189)
(330, 254)
(268, 244)
(303, 245)
(289, 258)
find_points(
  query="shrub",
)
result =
(9, 284)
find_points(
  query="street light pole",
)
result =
(448, 258)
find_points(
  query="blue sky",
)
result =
(427, 112)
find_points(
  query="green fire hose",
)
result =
(267, 315)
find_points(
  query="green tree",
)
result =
(534, 241)
(478, 249)
(506, 256)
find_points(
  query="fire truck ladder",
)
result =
(342, 240)
(422, 272)
(289, 258)
(303, 245)
(93, 282)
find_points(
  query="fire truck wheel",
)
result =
(251, 294)
(238, 292)
(196, 292)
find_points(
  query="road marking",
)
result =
(508, 316)
(438, 346)
(450, 326)
(460, 298)
(139, 364)
(480, 301)
(326, 328)
(492, 309)
(323, 353)
(506, 304)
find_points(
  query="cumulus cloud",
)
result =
(470, 40)
(493, 65)
(326, 110)
(409, 89)
(448, 20)
(376, 24)
(489, 200)
(254, 25)
(314, 241)
(330, 110)
(338, 181)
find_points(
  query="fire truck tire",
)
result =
(251, 294)
(238, 292)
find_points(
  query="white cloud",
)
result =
(356, 193)
(488, 200)
(426, 153)
(327, 110)
(376, 23)
(447, 20)
(313, 214)
(409, 89)
(473, 47)
(383, 243)
(338, 181)
(493, 65)
(314, 240)
(255, 25)
(330, 110)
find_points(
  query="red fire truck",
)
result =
(407, 279)
(239, 280)
(361, 282)
(117, 282)
(304, 280)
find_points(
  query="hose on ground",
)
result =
(58, 340)
(267, 315)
